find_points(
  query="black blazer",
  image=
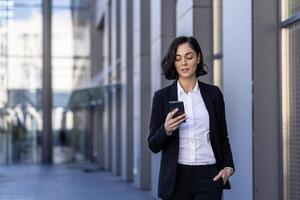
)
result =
(169, 145)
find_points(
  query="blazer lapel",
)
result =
(209, 106)
(173, 92)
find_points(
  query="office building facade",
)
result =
(251, 49)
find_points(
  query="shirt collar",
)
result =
(180, 90)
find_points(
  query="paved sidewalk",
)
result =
(62, 182)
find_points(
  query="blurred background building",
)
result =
(106, 66)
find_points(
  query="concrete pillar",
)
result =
(88, 133)
(127, 90)
(237, 76)
(96, 43)
(95, 136)
(107, 132)
(107, 98)
(47, 87)
(267, 170)
(194, 18)
(96, 68)
(163, 30)
(100, 139)
(116, 92)
(142, 92)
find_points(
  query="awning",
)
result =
(89, 97)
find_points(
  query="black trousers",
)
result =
(196, 183)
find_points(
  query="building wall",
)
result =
(267, 150)
(237, 89)
(116, 92)
(146, 29)
(127, 90)
(194, 18)
(106, 20)
(96, 69)
(141, 94)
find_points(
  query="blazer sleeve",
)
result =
(226, 149)
(157, 138)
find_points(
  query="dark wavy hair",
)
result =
(167, 63)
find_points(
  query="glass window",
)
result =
(292, 127)
(20, 80)
(64, 3)
(26, 2)
(70, 64)
(294, 7)
(290, 8)
(217, 43)
(291, 100)
(21, 71)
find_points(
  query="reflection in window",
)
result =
(294, 7)
(291, 99)
(293, 136)
(21, 71)
(21, 68)
(217, 43)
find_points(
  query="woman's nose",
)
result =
(183, 61)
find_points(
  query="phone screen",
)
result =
(176, 104)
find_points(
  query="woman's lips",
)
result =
(185, 70)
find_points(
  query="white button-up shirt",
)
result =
(194, 140)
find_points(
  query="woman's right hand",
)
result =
(172, 124)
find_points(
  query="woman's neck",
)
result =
(188, 84)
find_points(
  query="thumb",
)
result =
(172, 113)
(218, 176)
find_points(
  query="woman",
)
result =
(196, 159)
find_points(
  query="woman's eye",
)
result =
(177, 59)
(190, 58)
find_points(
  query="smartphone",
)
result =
(176, 104)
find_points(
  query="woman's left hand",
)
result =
(224, 174)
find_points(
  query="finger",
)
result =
(180, 117)
(228, 171)
(168, 117)
(224, 180)
(224, 176)
(174, 111)
(171, 114)
(172, 120)
(173, 128)
(177, 123)
(219, 175)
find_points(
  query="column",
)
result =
(194, 18)
(237, 76)
(127, 90)
(163, 31)
(97, 68)
(47, 87)
(267, 152)
(107, 96)
(142, 92)
(116, 92)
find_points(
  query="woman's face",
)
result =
(186, 61)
